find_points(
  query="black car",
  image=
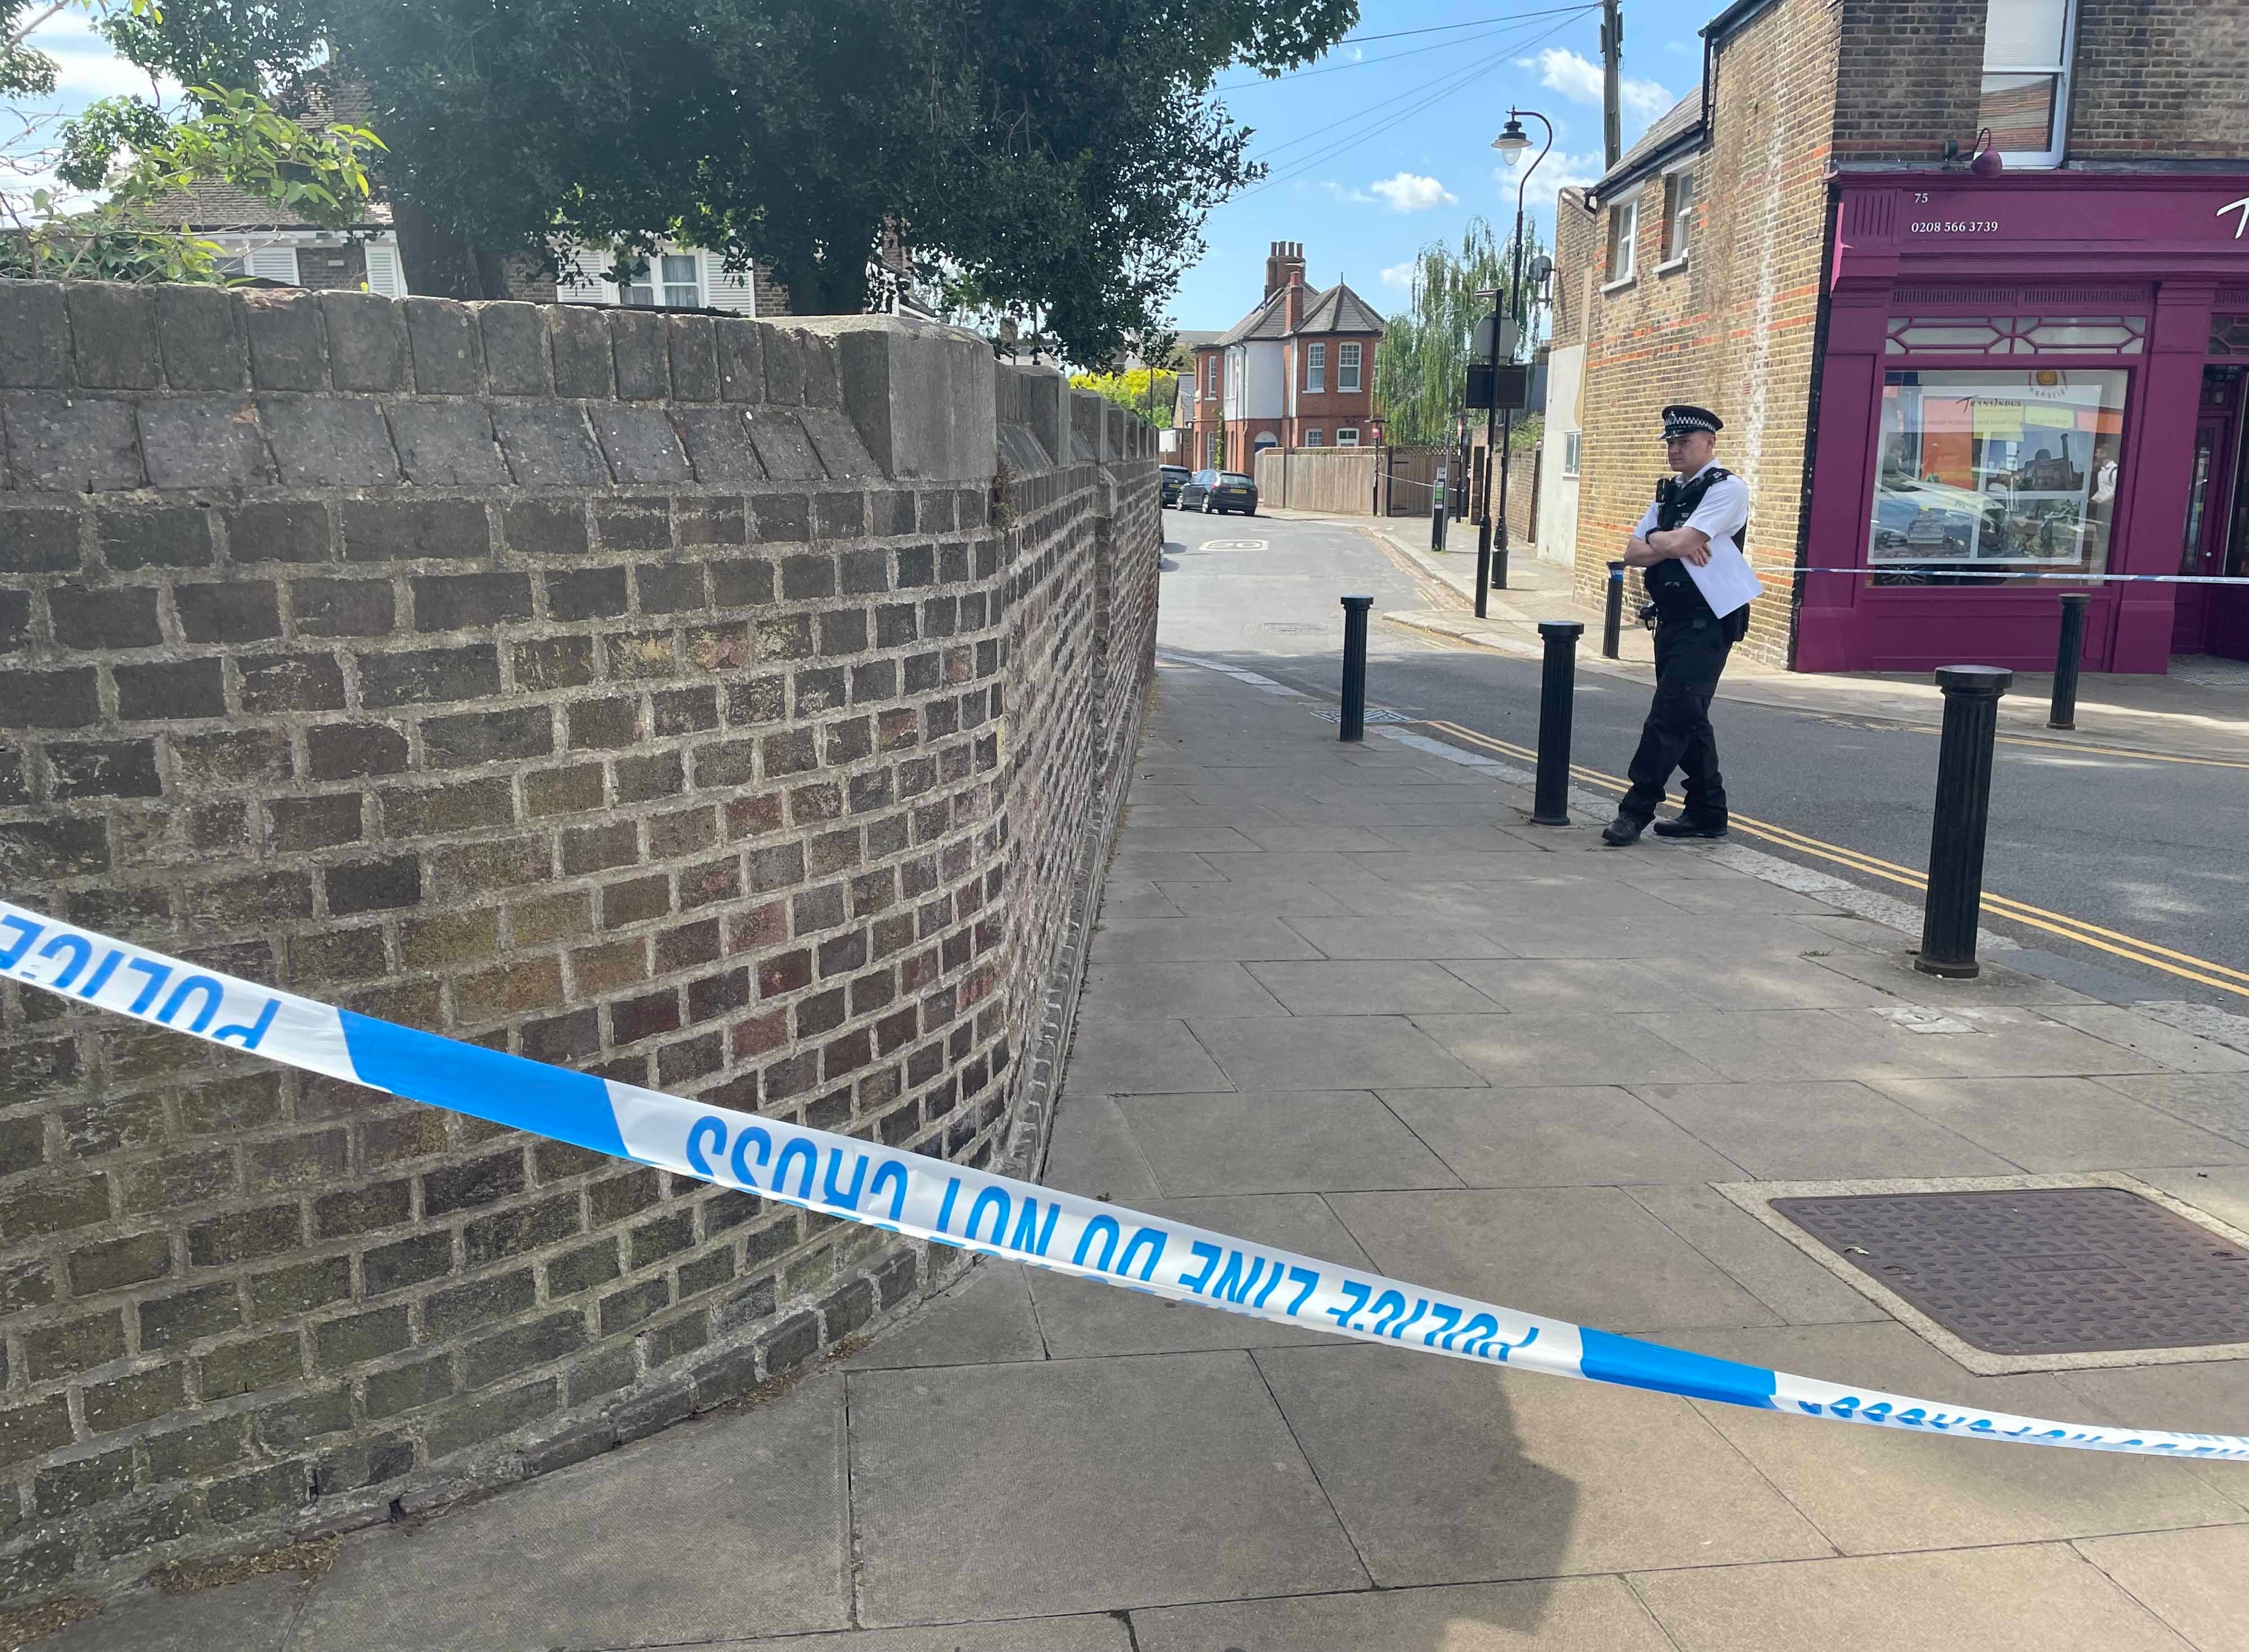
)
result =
(1215, 492)
(1175, 478)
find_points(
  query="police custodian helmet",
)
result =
(1682, 419)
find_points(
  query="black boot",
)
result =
(1624, 831)
(1688, 825)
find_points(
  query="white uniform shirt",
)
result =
(1725, 580)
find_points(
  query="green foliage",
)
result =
(1049, 162)
(24, 70)
(1150, 395)
(310, 177)
(1420, 373)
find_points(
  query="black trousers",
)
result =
(1688, 658)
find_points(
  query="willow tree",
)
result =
(1421, 372)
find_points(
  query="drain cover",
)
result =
(1374, 715)
(2042, 1270)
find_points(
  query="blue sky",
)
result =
(1385, 144)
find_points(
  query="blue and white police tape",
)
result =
(926, 1198)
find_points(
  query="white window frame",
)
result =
(1626, 215)
(1347, 436)
(1573, 443)
(1316, 438)
(2058, 122)
(1347, 359)
(386, 273)
(660, 287)
(1316, 369)
(1678, 237)
(1210, 377)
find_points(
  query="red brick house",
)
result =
(1296, 372)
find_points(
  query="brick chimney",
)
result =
(1284, 266)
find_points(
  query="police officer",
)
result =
(1697, 520)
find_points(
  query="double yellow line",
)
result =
(2186, 965)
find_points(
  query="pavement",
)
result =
(1344, 999)
(2199, 710)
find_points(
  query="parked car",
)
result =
(1215, 492)
(1175, 476)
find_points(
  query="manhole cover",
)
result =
(1296, 627)
(1372, 716)
(2042, 1270)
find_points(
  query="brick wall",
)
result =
(692, 702)
(1733, 329)
(1916, 74)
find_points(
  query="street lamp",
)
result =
(1511, 143)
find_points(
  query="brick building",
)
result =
(1296, 372)
(1959, 386)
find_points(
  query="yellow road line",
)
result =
(2148, 954)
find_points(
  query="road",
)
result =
(2151, 849)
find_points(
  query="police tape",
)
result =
(928, 1199)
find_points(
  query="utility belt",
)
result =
(1735, 625)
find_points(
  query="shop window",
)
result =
(1678, 213)
(1347, 367)
(1983, 476)
(2026, 78)
(1573, 447)
(2017, 336)
(1624, 232)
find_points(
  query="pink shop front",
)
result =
(2032, 376)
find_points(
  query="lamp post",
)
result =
(1511, 142)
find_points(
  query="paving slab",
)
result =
(1330, 1052)
(1547, 1047)
(985, 1319)
(1094, 1632)
(1565, 1615)
(1874, 1490)
(1727, 894)
(1082, 1318)
(639, 1546)
(1264, 897)
(251, 1616)
(1890, 966)
(1157, 866)
(2216, 1101)
(1129, 940)
(1367, 987)
(1494, 838)
(2221, 1190)
(2044, 1598)
(1795, 1287)
(1109, 1057)
(1091, 1632)
(1589, 1255)
(1149, 990)
(2168, 1045)
(1278, 1141)
(1092, 1151)
(2061, 1124)
(1081, 1486)
(1813, 1132)
(2197, 1396)
(1364, 935)
(1196, 839)
(1780, 1044)
(2192, 1580)
(1446, 1471)
(1583, 1136)
(1137, 898)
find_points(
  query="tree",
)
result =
(1047, 159)
(133, 159)
(1150, 395)
(1420, 373)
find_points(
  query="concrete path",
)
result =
(2200, 709)
(1344, 1000)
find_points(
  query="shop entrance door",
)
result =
(2209, 513)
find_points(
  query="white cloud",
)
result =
(1559, 171)
(1341, 193)
(1410, 192)
(1565, 71)
(1399, 275)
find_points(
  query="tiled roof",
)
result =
(1336, 310)
(1682, 117)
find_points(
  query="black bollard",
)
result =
(1963, 809)
(1558, 688)
(2066, 655)
(1438, 503)
(1613, 613)
(1354, 667)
